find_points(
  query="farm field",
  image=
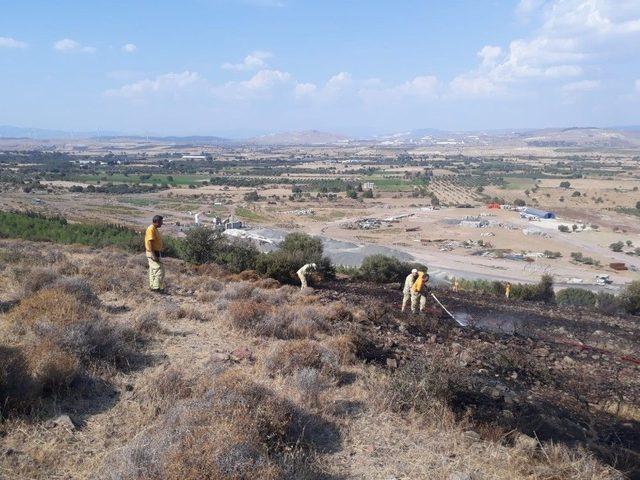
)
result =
(419, 200)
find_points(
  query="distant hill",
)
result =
(574, 137)
(305, 137)
(188, 140)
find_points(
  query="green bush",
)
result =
(540, 292)
(607, 303)
(629, 298)
(205, 245)
(296, 250)
(37, 227)
(617, 246)
(381, 268)
(576, 297)
(199, 245)
(237, 255)
(482, 286)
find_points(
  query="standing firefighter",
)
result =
(302, 274)
(406, 291)
(507, 291)
(153, 246)
(418, 292)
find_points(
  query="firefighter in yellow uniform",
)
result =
(153, 246)
(418, 292)
(507, 291)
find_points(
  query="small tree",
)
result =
(367, 194)
(382, 269)
(629, 298)
(563, 228)
(251, 196)
(198, 245)
(518, 202)
(576, 297)
(617, 246)
(565, 184)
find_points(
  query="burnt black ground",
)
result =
(559, 377)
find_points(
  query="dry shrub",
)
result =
(237, 291)
(62, 336)
(52, 306)
(67, 268)
(16, 389)
(105, 276)
(79, 288)
(35, 280)
(246, 315)
(236, 430)
(289, 357)
(169, 386)
(212, 285)
(51, 368)
(249, 275)
(310, 383)
(556, 461)
(426, 384)
(146, 322)
(268, 283)
(344, 347)
(169, 310)
(207, 296)
(292, 322)
(192, 313)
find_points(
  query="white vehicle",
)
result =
(603, 279)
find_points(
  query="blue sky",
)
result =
(242, 67)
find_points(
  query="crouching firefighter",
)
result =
(406, 291)
(419, 291)
(302, 274)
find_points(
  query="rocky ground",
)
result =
(367, 392)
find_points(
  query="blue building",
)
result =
(534, 212)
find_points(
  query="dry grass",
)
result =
(236, 430)
(190, 416)
(288, 357)
(60, 335)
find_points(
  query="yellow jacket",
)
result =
(152, 239)
(419, 284)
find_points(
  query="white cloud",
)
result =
(305, 89)
(527, 7)
(69, 45)
(581, 86)
(489, 55)
(8, 42)
(337, 83)
(424, 86)
(166, 83)
(129, 48)
(261, 85)
(254, 61)
(265, 79)
(474, 86)
(573, 34)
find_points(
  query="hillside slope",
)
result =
(232, 376)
